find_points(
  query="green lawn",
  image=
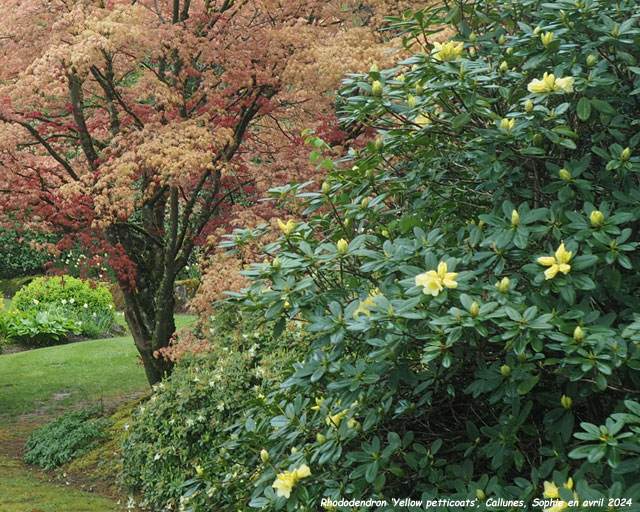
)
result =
(47, 382)
(64, 374)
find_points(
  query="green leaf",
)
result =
(584, 109)
(528, 384)
(460, 120)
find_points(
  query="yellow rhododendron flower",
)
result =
(550, 83)
(433, 282)
(550, 490)
(334, 420)
(285, 482)
(422, 120)
(557, 263)
(365, 306)
(558, 507)
(445, 52)
(566, 84)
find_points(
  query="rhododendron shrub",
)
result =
(137, 129)
(472, 283)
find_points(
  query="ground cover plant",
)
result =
(66, 437)
(471, 276)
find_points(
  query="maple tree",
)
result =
(137, 129)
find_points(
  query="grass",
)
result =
(38, 384)
(64, 374)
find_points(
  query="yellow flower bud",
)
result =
(343, 246)
(364, 203)
(537, 139)
(502, 39)
(578, 334)
(199, 470)
(528, 106)
(276, 262)
(401, 78)
(480, 494)
(626, 153)
(591, 60)
(264, 455)
(294, 449)
(374, 68)
(504, 285)
(505, 370)
(411, 100)
(419, 89)
(536, 31)
(507, 124)
(566, 402)
(510, 50)
(472, 37)
(564, 174)
(515, 218)
(474, 309)
(376, 88)
(472, 52)
(596, 218)
(321, 438)
(326, 188)
(547, 38)
(287, 228)
(354, 424)
(503, 66)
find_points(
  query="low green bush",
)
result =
(66, 437)
(64, 291)
(38, 328)
(89, 304)
(183, 430)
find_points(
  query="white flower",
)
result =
(189, 422)
(126, 427)
(220, 406)
(72, 300)
(85, 305)
(64, 301)
(36, 301)
(156, 456)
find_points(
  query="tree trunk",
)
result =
(149, 305)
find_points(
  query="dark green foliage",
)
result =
(473, 277)
(65, 438)
(18, 257)
(38, 328)
(183, 430)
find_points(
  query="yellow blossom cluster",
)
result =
(445, 52)
(557, 263)
(365, 306)
(550, 83)
(551, 492)
(285, 482)
(433, 282)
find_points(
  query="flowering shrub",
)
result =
(88, 305)
(478, 336)
(183, 431)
